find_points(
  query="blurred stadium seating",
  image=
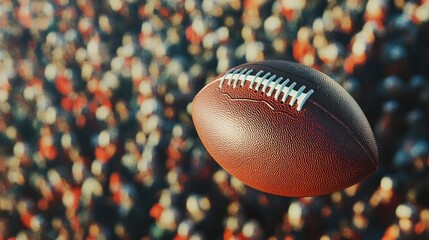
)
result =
(96, 136)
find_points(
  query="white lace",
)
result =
(261, 82)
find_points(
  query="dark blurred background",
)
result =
(97, 140)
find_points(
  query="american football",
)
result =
(286, 129)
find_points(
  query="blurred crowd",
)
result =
(97, 140)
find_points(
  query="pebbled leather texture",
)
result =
(325, 147)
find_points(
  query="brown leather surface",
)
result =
(272, 147)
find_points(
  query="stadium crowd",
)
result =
(96, 135)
